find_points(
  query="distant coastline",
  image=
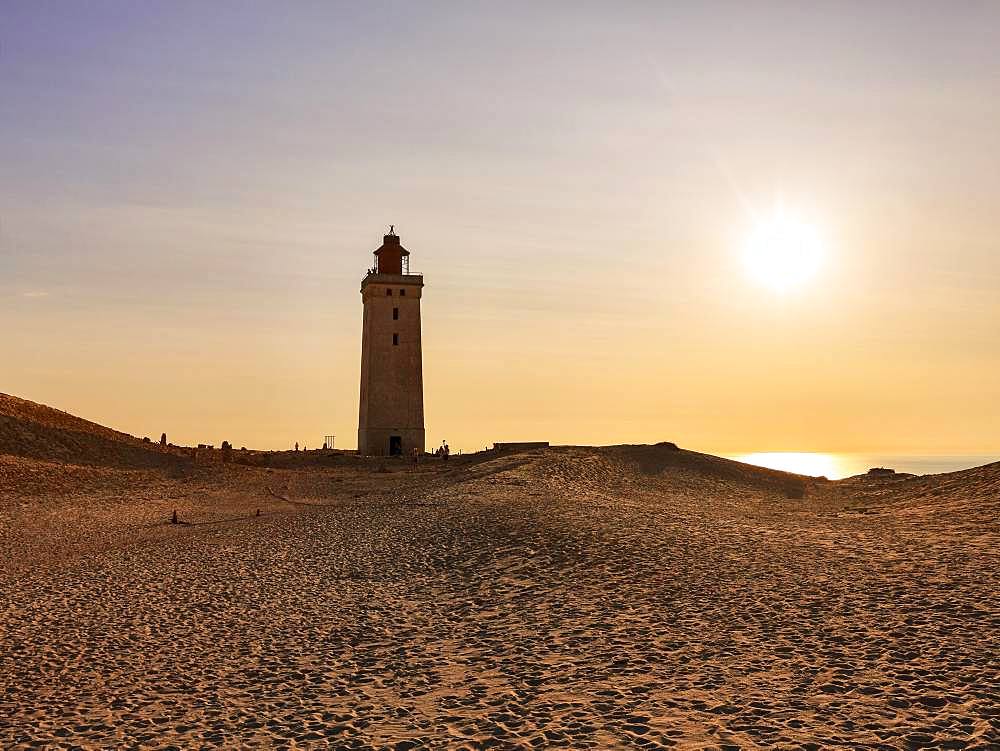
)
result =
(836, 466)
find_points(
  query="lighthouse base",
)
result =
(390, 441)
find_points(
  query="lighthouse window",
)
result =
(395, 314)
(402, 293)
(388, 293)
(395, 339)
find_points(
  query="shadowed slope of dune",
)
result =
(33, 430)
(666, 457)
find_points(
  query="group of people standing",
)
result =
(442, 452)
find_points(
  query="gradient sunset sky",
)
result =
(190, 194)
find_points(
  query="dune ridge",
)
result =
(36, 431)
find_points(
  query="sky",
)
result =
(190, 194)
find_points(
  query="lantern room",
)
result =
(391, 257)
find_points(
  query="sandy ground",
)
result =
(573, 597)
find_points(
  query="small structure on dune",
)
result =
(520, 445)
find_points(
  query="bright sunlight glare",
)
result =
(782, 251)
(801, 463)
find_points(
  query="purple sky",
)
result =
(189, 193)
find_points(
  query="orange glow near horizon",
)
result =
(798, 462)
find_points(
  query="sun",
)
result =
(782, 251)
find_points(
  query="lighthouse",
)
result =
(391, 413)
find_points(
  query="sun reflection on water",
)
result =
(801, 463)
(838, 466)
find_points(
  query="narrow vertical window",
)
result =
(395, 340)
(395, 314)
(402, 293)
(388, 293)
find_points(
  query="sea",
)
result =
(836, 466)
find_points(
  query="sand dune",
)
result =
(35, 431)
(568, 597)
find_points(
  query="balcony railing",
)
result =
(373, 272)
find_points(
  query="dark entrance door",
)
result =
(395, 445)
